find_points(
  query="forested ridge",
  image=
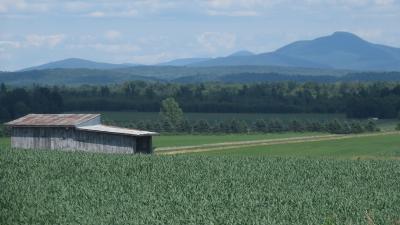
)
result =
(231, 74)
(356, 100)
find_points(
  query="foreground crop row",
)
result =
(43, 187)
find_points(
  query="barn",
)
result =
(76, 132)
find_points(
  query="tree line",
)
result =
(356, 100)
(233, 126)
(172, 121)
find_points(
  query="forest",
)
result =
(356, 100)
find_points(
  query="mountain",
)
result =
(341, 50)
(265, 59)
(76, 63)
(345, 51)
(183, 62)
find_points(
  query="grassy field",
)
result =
(373, 147)
(185, 140)
(52, 187)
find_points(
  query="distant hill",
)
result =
(176, 74)
(276, 77)
(69, 77)
(340, 50)
(76, 63)
(150, 73)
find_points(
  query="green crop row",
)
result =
(52, 187)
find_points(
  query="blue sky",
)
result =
(33, 32)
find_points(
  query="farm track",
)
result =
(240, 144)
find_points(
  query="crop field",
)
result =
(4, 142)
(52, 187)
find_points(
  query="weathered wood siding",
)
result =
(102, 142)
(43, 137)
(72, 139)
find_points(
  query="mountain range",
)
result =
(340, 50)
(76, 63)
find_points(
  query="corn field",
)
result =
(50, 187)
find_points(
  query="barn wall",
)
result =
(71, 139)
(102, 142)
(43, 137)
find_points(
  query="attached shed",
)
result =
(76, 132)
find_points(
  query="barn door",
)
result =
(143, 145)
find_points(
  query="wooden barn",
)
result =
(76, 132)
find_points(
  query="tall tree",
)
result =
(171, 112)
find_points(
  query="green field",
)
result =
(343, 181)
(385, 147)
(52, 187)
(186, 140)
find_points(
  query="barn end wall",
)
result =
(71, 139)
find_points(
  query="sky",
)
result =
(33, 32)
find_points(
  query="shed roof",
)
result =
(50, 120)
(115, 130)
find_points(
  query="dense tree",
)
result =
(171, 112)
(356, 100)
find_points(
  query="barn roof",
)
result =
(49, 120)
(115, 130)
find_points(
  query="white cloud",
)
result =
(120, 13)
(112, 34)
(9, 44)
(96, 14)
(116, 48)
(21, 6)
(152, 58)
(109, 48)
(214, 41)
(231, 13)
(370, 34)
(37, 40)
(77, 6)
(353, 3)
(240, 4)
(3, 8)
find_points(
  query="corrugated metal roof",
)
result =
(116, 130)
(52, 120)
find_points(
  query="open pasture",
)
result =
(381, 146)
(163, 141)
